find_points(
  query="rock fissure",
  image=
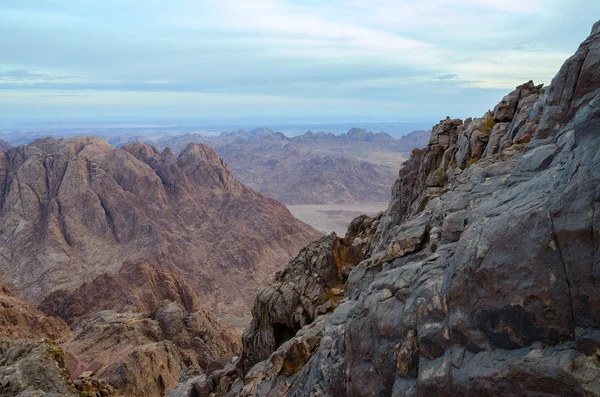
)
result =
(564, 268)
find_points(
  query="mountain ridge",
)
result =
(315, 168)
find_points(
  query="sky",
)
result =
(394, 60)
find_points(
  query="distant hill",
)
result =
(314, 168)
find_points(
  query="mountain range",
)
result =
(314, 168)
(479, 279)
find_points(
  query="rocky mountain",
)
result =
(314, 168)
(294, 175)
(480, 279)
(76, 209)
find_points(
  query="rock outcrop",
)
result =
(144, 344)
(33, 369)
(74, 209)
(142, 330)
(310, 285)
(482, 276)
(305, 292)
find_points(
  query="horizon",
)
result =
(28, 132)
(276, 59)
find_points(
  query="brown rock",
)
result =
(20, 320)
(137, 287)
(140, 355)
(73, 209)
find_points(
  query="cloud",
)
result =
(25, 77)
(383, 52)
(447, 76)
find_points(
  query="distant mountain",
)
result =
(416, 139)
(314, 168)
(353, 135)
(294, 175)
(250, 135)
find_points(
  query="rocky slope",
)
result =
(31, 363)
(314, 168)
(148, 355)
(136, 287)
(74, 209)
(481, 279)
(142, 330)
(23, 321)
(139, 332)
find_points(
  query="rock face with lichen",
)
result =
(481, 279)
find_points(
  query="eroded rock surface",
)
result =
(310, 285)
(137, 287)
(32, 360)
(33, 369)
(138, 340)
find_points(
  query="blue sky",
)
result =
(396, 60)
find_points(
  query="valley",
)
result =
(336, 218)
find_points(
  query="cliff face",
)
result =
(74, 209)
(481, 278)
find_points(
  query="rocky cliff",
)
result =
(74, 209)
(481, 279)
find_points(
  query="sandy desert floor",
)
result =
(333, 217)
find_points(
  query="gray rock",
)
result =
(489, 283)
